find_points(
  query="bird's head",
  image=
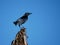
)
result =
(27, 13)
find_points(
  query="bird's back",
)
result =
(24, 17)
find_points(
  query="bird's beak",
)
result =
(30, 13)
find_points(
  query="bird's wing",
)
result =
(20, 18)
(24, 16)
(20, 21)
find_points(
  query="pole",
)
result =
(21, 38)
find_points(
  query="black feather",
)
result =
(15, 22)
(22, 19)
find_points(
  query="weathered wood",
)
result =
(21, 38)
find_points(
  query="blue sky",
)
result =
(43, 25)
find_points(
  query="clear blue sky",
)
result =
(43, 26)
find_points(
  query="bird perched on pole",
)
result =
(22, 19)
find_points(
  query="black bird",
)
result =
(22, 19)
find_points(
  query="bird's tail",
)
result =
(15, 22)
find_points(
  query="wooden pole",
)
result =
(21, 38)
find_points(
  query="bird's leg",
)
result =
(22, 26)
(19, 25)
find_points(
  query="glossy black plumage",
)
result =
(22, 19)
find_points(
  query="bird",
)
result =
(22, 19)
